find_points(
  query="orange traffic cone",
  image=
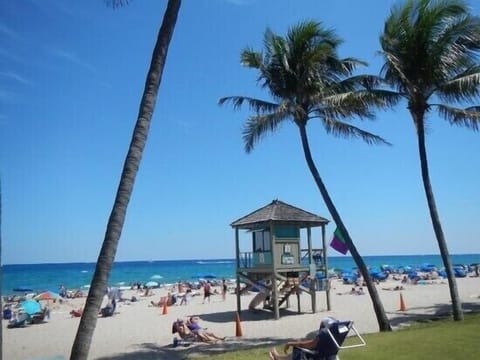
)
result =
(165, 309)
(238, 326)
(402, 304)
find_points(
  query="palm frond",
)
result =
(463, 87)
(361, 103)
(257, 126)
(393, 73)
(116, 3)
(251, 59)
(368, 82)
(342, 129)
(256, 105)
(468, 117)
(426, 44)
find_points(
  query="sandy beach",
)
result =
(140, 331)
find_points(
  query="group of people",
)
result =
(185, 293)
(207, 290)
(192, 330)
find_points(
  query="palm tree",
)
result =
(307, 80)
(1, 274)
(430, 48)
(105, 260)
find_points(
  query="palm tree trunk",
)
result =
(437, 226)
(106, 258)
(383, 323)
(1, 274)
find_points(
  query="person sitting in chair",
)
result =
(321, 342)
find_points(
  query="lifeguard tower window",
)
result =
(261, 241)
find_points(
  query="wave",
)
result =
(201, 262)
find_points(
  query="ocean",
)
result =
(41, 277)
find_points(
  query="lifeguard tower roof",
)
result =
(279, 211)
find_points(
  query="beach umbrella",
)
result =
(151, 284)
(31, 306)
(156, 277)
(47, 295)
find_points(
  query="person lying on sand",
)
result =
(194, 326)
(76, 313)
(185, 333)
(396, 288)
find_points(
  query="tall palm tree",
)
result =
(307, 80)
(430, 48)
(1, 274)
(105, 260)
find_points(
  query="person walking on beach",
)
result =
(207, 291)
(224, 290)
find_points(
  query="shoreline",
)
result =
(213, 260)
(140, 331)
(75, 276)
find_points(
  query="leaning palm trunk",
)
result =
(383, 323)
(1, 274)
(106, 258)
(437, 226)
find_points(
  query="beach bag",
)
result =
(7, 314)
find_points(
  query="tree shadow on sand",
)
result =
(150, 351)
(245, 316)
(427, 314)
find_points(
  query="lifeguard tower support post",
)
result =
(277, 264)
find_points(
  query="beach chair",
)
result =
(18, 321)
(330, 342)
(186, 336)
(40, 317)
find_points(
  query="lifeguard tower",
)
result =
(277, 265)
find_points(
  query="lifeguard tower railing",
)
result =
(251, 259)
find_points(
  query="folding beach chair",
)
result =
(330, 342)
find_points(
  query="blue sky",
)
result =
(71, 78)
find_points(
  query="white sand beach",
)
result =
(140, 331)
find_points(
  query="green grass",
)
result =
(442, 339)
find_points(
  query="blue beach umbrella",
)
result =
(31, 306)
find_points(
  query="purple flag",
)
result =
(338, 242)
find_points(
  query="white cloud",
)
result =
(16, 77)
(73, 58)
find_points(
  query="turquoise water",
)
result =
(40, 277)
